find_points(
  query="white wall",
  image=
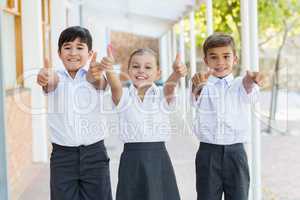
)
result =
(58, 24)
(33, 61)
(163, 57)
(73, 11)
(141, 25)
(99, 31)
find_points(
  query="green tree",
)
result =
(226, 17)
(274, 17)
(283, 24)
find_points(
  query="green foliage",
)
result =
(226, 17)
(277, 15)
(273, 15)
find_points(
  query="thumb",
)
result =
(178, 58)
(94, 57)
(109, 51)
(47, 63)
(250, 74)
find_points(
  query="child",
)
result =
(79, 165)
(145, 171)
(221, 122)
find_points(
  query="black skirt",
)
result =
(146, 173)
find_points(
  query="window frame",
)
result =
(13, 7)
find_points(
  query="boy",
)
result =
(221, 122)
(79, 165)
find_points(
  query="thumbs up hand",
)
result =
(255, 77)
(179, 71)
(199, 80)
(47, 78)
(112, 78)
(95, 71)
(46, 75)
(108, 61)
(178, 67)
(43, 75)
(251, 78)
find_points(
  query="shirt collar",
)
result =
(81, 71)
(153, 90)
(228, 79)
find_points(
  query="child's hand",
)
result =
(112, 78)
(179, 68)
(95, 70)
(108, 61)
(200, 79)
(254, 77)
(46, 76)
(250, 79)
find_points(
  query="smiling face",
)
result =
(220, 60)
(74, 55)
(143, 70)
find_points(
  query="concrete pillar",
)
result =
(33, 61)
(256, 135)
(163, 57)
(193, 43)
(3, 159)
(209, 17)
(182, 55)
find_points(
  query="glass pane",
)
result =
(9, 51)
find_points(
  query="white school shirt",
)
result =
(222, 111)
(75, 111)
(147, 120)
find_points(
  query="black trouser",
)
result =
(80, 173)
(222, 169)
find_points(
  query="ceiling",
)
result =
(143, 17)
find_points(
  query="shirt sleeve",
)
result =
(192, 97)
(124, 100)
(172, 104)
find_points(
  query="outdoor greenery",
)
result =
(274, 17)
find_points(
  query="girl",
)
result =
(145, 171)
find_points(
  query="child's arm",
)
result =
(198, 81)
(47, 78)
(95, 74)
(112, 78)
(179, 71)
(250, 79)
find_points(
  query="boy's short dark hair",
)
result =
(218, 40)
(72, 33)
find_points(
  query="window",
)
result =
(13, 5)
(46, 22)
(12, 39)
